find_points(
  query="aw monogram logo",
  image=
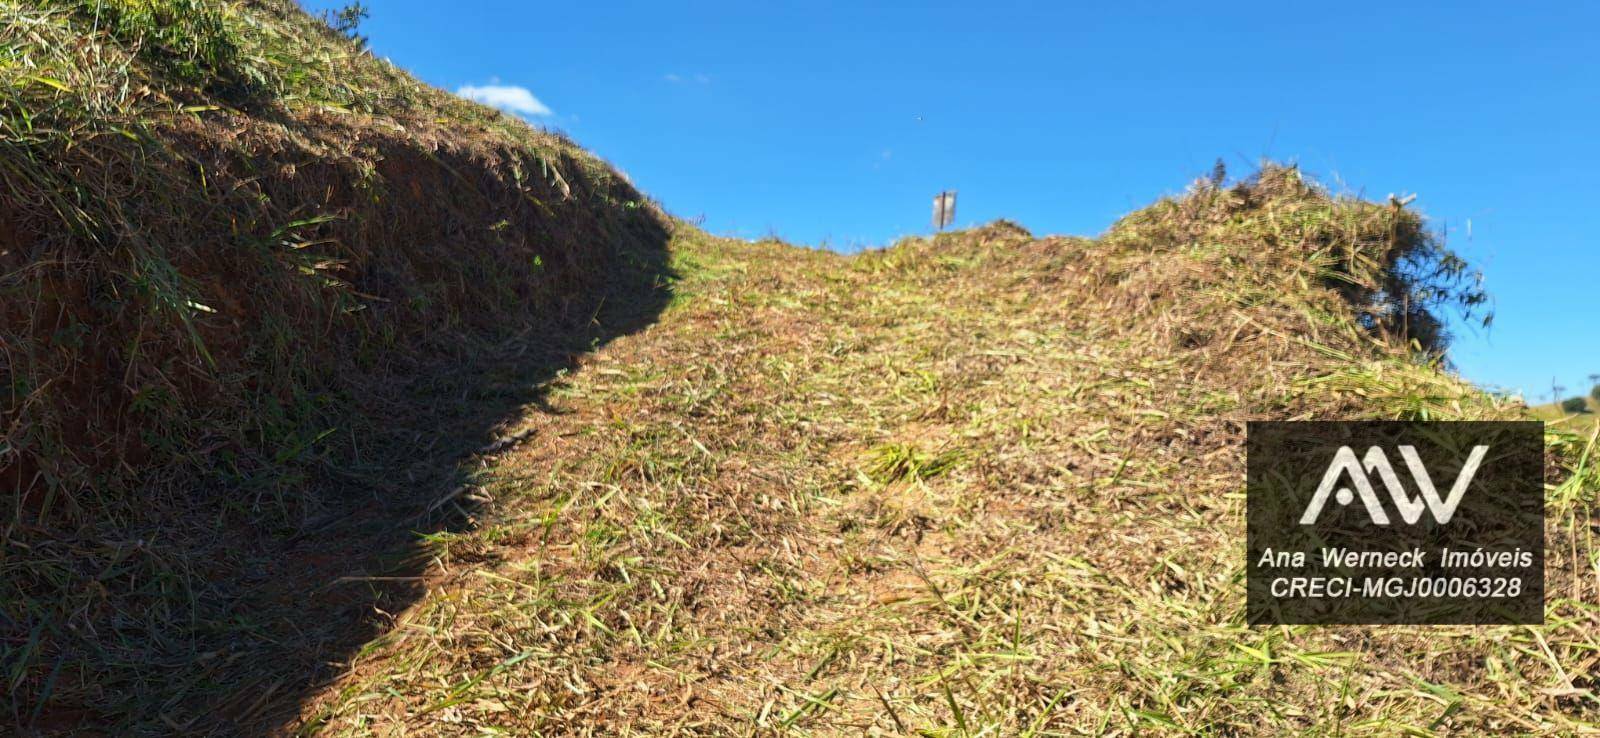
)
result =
(1381, 522)
(1376, 461)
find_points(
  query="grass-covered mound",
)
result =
(981, 484)
(1561, 415)
(259, 292)
(313, 424)
(217, 218)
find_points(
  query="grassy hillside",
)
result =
(983, 484)
(340, 406)
(257, 291)
(1580, 423)
(215, 215)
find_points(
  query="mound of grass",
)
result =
(235, 251)
(312, 424)
(1395, 274)
(215, 215)
(1564, 416)
(746, 521)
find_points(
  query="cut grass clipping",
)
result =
(897, 462)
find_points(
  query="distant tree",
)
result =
(1594, 393)
(1219, 174)
(1574, 405)
(347, 21)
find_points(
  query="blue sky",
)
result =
(835, 124)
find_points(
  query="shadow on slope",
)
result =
(262, 298)
(269, 611)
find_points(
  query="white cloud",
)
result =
(510, 98)
(678, 79)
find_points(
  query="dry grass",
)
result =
(234, 252)
(313, 426)
(978, 485)
(216, 215)
(1557, 417)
